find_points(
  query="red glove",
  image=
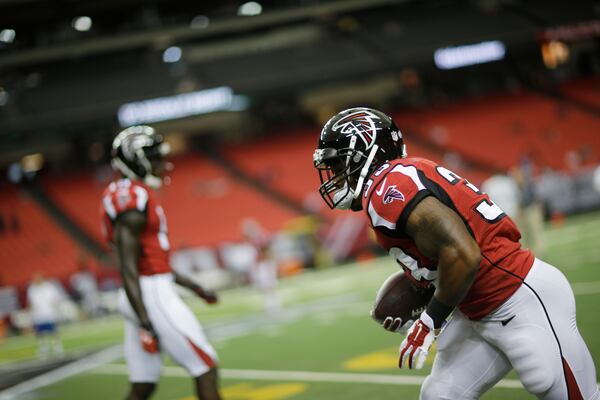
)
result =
(149, 340)
(208, 296)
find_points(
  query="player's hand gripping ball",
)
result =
(399, 301)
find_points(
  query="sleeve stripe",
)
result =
(417, 272)
(109, 207)
(378, 220)
(411, 172)
(141, 197)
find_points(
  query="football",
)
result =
(398, 297)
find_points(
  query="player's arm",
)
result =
(440, 234)
(128, 228)
(207, 295)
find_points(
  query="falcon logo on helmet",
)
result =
(361, 124)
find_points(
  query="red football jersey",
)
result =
(394, 190)
(124, 195)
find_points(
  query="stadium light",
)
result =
(249, 9)
(82, 24)
(172, 54)
(7, 35)
(555, 53)
(32, 162)
(181, 106)
(472, 54)
(200, 22)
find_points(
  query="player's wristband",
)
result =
(147, 327)
(438, 312)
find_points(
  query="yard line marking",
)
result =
(84, 364)
(301, 376)
(220, 331)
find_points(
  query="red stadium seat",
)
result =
(38, 244)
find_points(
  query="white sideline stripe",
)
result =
(302, 376)
(90, 362)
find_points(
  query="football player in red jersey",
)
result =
(509, 309)
(156, 317)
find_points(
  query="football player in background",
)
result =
(156, 317)
(509, 309)
(263, 273)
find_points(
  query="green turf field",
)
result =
(322, 346)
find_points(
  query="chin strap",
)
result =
(153, 181)
(364, 171)
(121, 166)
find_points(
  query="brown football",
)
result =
(398, 297)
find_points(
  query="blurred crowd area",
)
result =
(231, 210)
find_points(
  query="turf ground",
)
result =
(322, 346)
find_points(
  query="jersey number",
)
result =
(486, 208)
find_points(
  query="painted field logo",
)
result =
(392, 194)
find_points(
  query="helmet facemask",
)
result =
(342, 173)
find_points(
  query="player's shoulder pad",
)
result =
(124, 195)
(394, 193)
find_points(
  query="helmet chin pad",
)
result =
(153, 181)
(342, 199)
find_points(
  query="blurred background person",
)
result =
(85, 286)
(505, 191)
(9, 303)
(44, 299)
(263, 271)
(530, 219)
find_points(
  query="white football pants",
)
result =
(534, 332)
(179, 333)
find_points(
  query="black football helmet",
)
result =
(352, 145)
(136, 151)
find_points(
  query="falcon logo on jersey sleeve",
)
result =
(360, 123)
(388, 204)
(392, 194)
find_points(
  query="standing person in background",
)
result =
(503, 188)
(156, 317)
(84, 284)
(531, 211)
(263, 273)
(44, 299)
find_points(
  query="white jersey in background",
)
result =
(43, 298)
(505, 192)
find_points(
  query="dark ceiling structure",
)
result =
(58, 80)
